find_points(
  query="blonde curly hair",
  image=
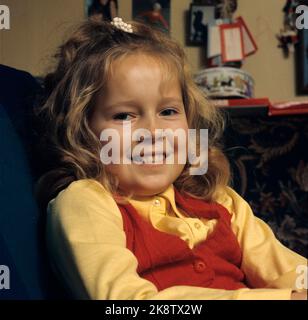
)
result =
(82, 70)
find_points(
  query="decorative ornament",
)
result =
(288, 36)
(121, 25)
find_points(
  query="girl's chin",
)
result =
(149, 188)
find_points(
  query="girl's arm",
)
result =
(88, 249)
(266, 262)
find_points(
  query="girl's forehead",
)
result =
(141, 76)
(167, 67)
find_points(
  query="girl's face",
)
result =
(137, 92)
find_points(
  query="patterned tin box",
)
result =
(225, 82)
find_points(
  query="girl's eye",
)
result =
(122, 116)
(168, 112)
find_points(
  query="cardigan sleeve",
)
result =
(265, 261)
(87, 245)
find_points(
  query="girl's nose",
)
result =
(151, 124)
(148, 125)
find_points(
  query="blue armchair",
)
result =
(22, 247)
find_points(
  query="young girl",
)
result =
(146, 231)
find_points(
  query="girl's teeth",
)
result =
(142, 160)
(148, 159)
(138, 160)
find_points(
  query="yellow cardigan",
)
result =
(87, 245)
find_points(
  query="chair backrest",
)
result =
(22, 242)
(19, 245)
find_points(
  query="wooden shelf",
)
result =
(246, 111)
(261, 107)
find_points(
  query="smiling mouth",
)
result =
(149, 159)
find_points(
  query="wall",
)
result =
(38, 27)
(274, 75)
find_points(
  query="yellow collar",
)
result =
(164, 203)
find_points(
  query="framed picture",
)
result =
(200, 16)
(100, 10)
(154, 13)
(232, 44)
(302, 62)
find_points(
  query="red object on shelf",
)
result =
(248, 103)
(285, 108)
(250, 45)
(276, 109)
(232, 43)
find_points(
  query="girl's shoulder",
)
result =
(81, 189)
(231, 200)
(83, 196)
(82, 210)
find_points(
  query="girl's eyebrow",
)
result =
(128, 103)
(172, 99)
(134, 104)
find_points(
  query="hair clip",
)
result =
(120, 24)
